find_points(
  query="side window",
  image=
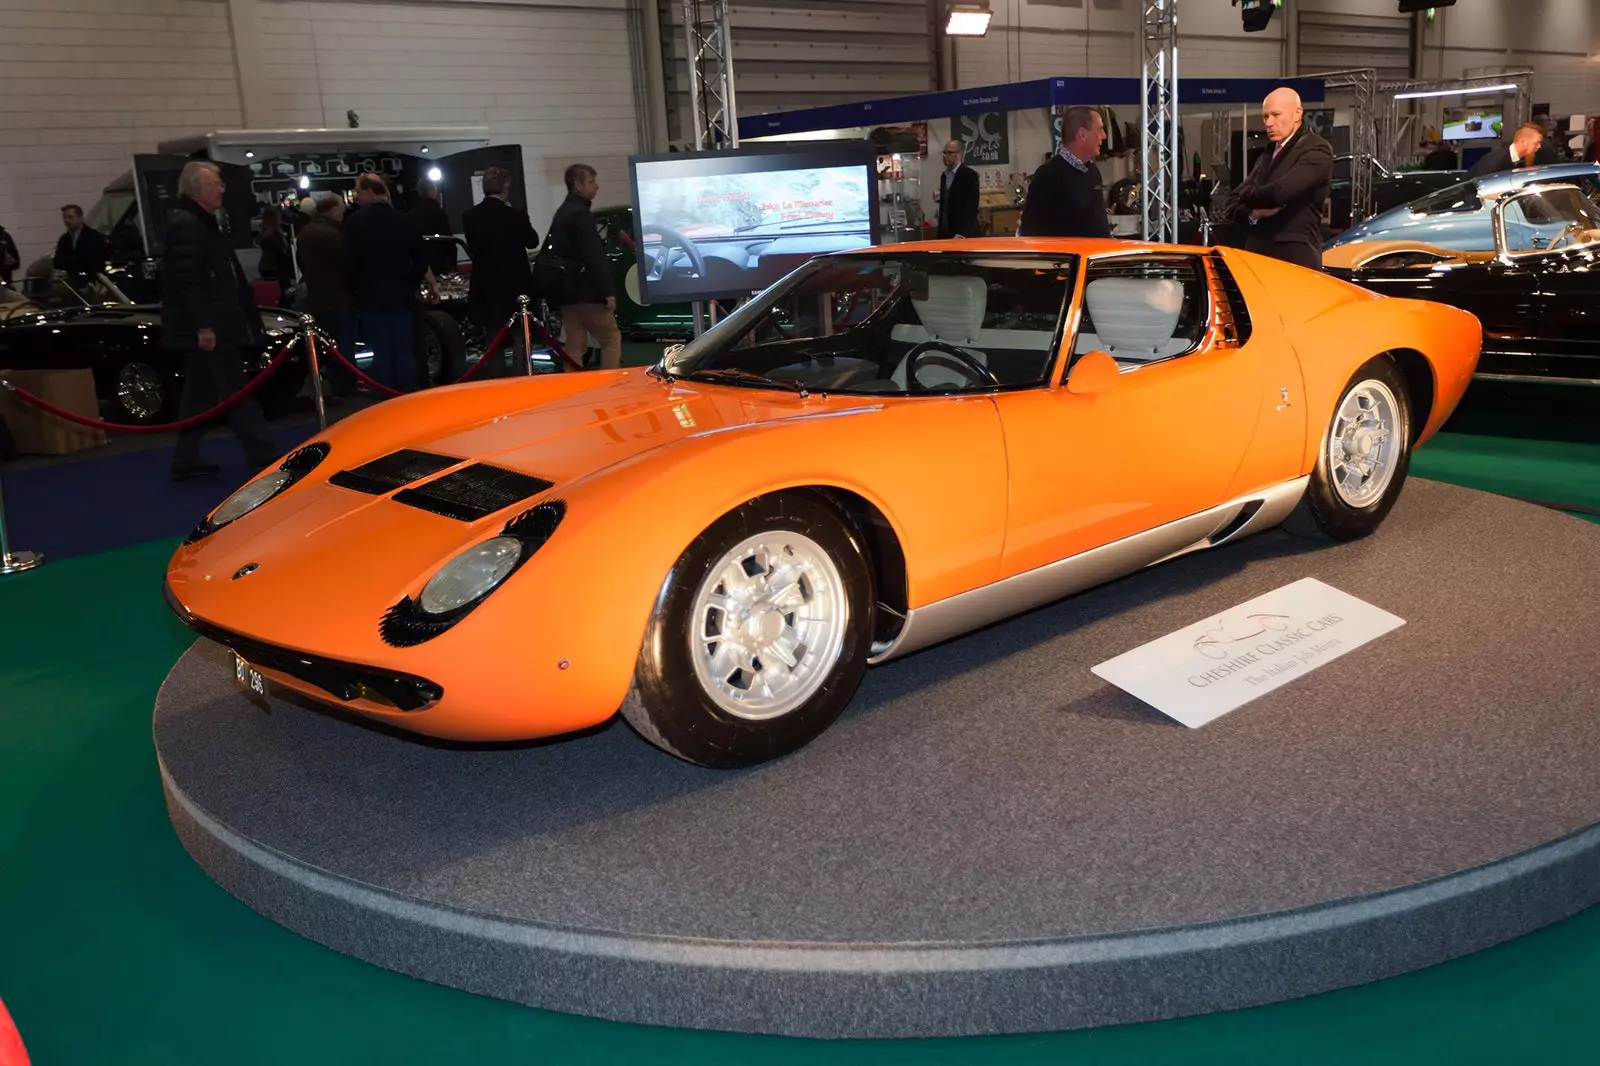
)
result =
(1143, 309)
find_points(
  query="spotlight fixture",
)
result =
(969, 19)
(435, 174)
(1408, 6)
(249, 155)
(1255, 14)
(305, 181)
(424, 149)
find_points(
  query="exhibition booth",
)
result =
(1009, 130)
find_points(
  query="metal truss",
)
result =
(716, 117)
(1158, 113)
(1363, 85)
(1395, 128)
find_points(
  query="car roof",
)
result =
(1506, 180)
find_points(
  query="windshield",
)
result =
(1449, 200)
(910, 323)
(1550, 219)
(82, 290)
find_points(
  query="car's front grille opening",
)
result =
(473, 492)
(392, 471)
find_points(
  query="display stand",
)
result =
(991, 839)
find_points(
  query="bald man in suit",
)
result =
(1281, 202)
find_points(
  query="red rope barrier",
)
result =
(167, 427)
(350, 365)
(484, 359)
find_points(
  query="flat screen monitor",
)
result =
(1472, 124)
(720, 225)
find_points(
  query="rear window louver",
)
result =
(392, 471)
(473, 492)
(1232, 314)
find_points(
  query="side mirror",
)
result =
(1093, 375)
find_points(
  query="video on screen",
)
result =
(718, 225)
(1466, 124)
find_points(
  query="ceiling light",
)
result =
(1473, 91)
(967, 20)
(424, 149)
(435, 174)
(249, 155)
(305, 182)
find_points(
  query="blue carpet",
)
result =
(95, 504)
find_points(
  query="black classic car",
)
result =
(64, 323)
(1522, 256)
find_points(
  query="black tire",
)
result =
(670, 706)
(441, 348)
(1324, 513)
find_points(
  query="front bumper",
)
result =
(341, 681)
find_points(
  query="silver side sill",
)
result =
(939, 621)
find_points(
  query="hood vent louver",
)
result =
(473, 492)
(392, 471)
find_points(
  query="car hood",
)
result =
(329, 525)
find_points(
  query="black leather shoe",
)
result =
(194, 470)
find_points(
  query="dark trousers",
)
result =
(390, 335)
(1300, 254)
(341, 326)
(208, 379)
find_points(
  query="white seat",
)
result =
(1134, 319)
(952, 311)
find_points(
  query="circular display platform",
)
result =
(991, 839)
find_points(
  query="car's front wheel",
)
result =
(1364, 456)
(759, 636)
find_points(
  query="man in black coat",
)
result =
(80, 250)
(1280, 203)
(573, 237)
(1521, 152)
(10, 258)
(958, 195)
(386, 261)
(499, 237)
(1067, 196)
(207, 313)
(431, 218)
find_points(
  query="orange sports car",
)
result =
(885, 449)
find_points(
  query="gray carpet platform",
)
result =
(991, 839)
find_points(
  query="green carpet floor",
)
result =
(115, 948)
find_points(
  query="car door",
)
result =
(1165, 442)
(1546, 238)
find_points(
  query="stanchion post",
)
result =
(527, 337)
(14, 562)
(309, 325)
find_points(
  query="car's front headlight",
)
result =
(250, 497)
(471, 575)
(247, 499)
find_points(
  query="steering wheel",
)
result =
(960, 355)
(1568, 233)
(670, 239)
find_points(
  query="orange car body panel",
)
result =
(974, 487)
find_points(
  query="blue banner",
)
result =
(1016, 96)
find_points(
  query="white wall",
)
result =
(1558, 39)
(86, 83)
(557, 83)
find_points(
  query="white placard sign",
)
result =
(1202, 672)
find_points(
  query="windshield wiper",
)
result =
(733, 374)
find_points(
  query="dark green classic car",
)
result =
(638, 322)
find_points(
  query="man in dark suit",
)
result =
(1521, 152)
(958, 195)
(1280, 204)
(499, 236)
(208, 313)
(1440, 156)
(386, 261)
(431, 218)
(80, 250)
(1067, 196)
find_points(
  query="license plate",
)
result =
(250, 679)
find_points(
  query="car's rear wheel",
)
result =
(759, 637)
(441, 348)
(1363, 458)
